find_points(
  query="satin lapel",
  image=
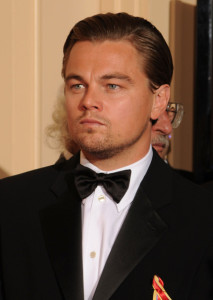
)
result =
(141, 231)
(61, 224)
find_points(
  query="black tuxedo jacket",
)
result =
(168, 232)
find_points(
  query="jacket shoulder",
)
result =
(27, 177)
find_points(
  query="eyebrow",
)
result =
(119, 76)
(73, 76)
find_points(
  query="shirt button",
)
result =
(92, 254)
(101, 198)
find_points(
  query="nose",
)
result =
(91, 100)
(163, 124)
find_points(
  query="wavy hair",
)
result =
(57, 133)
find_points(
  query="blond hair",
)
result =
(57, 133)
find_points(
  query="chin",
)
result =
(99, 151)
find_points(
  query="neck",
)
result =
(117, 161)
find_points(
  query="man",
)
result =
(161, 133)
(62, 234)
(162, 128)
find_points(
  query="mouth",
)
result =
(91, 122)
(158, 146)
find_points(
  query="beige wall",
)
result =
(32, 36)
(17, 118)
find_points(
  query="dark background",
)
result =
(203, 102)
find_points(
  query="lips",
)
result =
(91, 122)
(161, 145)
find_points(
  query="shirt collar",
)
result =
(138, 171)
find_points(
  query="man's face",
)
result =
(160, 134)
(108, 100)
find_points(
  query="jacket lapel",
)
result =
(61, 225)
(142, 229)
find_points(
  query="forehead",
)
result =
(108, 53)
(109, 44)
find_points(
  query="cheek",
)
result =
(134, 115)
(126, 123)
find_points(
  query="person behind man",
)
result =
(113, 222)
(162, 128)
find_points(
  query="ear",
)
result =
(161, 99)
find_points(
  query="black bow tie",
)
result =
(116, 184)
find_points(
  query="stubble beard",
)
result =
(105, 148)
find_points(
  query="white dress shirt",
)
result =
(102, 219)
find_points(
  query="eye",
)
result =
(113, 86)
(77, 86)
